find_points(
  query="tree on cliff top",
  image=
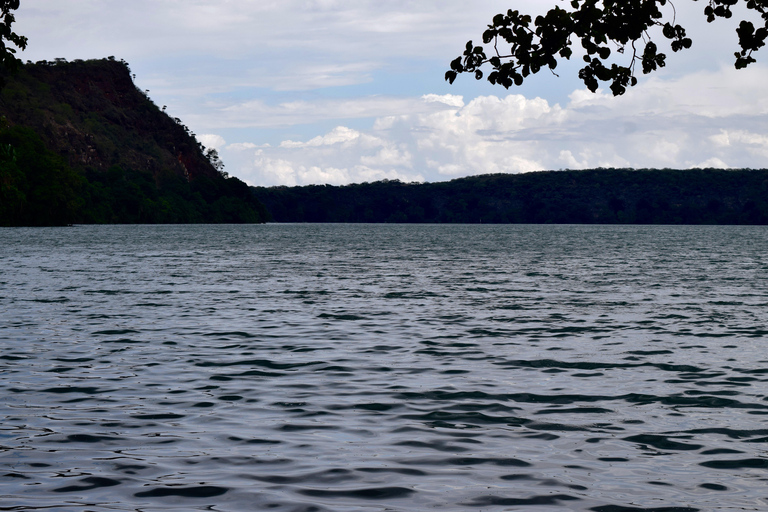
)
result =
(602, 27)
(8, 38)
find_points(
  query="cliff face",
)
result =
(92, 114)
(79, 143)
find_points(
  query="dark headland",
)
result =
(80, 143)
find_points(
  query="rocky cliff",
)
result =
(92, 114)
(111, 154)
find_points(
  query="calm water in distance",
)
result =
(384, 368)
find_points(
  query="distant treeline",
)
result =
(596, 196)
(39, 188)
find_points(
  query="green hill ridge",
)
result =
(80, 143)
(591, 196)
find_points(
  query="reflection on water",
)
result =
(361, 367)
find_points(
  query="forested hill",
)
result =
(79, 143)
(598, 196)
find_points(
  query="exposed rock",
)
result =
(92, 114)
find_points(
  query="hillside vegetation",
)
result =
(79, 143)
(597, 196)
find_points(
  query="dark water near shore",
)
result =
(373, 368)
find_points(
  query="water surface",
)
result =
(383, 367)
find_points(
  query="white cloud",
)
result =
(754, 143)
(720, 140)
(285, 72)
(242, 146)
(259, 114)
(389, 157)
(452, 100)
(711, 163)
(273, 171)
(341, 156)
(511, 134)
(295, 44)
(276, 171)
(339, 135)
(210, 140)
(710, 94)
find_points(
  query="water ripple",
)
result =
(404, 368)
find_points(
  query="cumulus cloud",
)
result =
(452, 100)
(454, 140)
(339, 91)
(339, 135)
(684, 127)
(211, 140)
(341, 156)
(389, 156)
(755, 144)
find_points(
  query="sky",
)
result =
(347, 91)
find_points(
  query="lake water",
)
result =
(384, 368)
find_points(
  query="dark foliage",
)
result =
(38, 188)
(8, 38)
(599, 196)
(83, 145)
(92, 114)
(522, 45)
